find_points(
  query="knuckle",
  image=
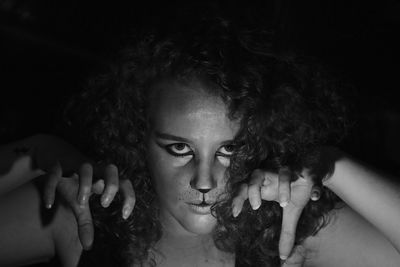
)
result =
(85, 169)
(238, 200)
(85, 222)
(126, 183)
(82, 211)
(86, 165)
(256, 173)
(130, 200)
(112, 188)
(112, 166)
(130, 196)
(112, 171)
(287, 234)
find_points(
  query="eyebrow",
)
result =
(167, 136)
(171, 137)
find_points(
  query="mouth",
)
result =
(202, 208)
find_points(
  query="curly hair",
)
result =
(287, 108)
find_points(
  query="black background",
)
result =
(49, 48)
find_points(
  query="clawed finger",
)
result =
(284, 186)
(85, 226)
(238, 201)
(85, 183)
(53, 177)
(288, 231)
(254, 191)
(112, 184)
(129, 198)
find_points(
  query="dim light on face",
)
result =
(189, 148)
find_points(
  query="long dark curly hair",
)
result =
(288, 108)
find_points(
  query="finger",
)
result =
(98, 187)
(254, 192)
(238, 201)
(129, 198)
(85, 183)
(270, 187)
(112, 184)
(288, 231)
(284, 186)
(315, 193)
(85, 226)
(53, 177)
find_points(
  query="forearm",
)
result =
(371, 194)
(26, 159)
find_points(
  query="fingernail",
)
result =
(283, 257)
(105, 201)
(256, 205)
(235, 211)
(48, 206)
(283, 204)
(125, 213)
(315, 196)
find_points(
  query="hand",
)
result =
(76, 190)
(292, 197)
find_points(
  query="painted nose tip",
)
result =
(204, 191)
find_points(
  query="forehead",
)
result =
(189, 107)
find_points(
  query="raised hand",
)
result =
(292, 197)
(77, 189)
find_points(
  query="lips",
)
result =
(202, 207)
(201, 202)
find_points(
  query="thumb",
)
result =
(290, 219)
(85, 225)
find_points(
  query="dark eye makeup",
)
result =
(226, 151)
(183, 150)
(179, 149)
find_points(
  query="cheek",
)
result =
(224, 161)
(171, 176)
(180, 161)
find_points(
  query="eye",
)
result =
(179, 149)
(226, 151)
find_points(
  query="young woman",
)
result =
(200, 121)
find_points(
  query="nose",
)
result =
(204, 191)
(203, 179)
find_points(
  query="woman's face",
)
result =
(189, 149)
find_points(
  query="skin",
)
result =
(188, 111)
(186, 119)
(188, 153)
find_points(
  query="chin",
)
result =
(200, 224)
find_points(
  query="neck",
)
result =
(177, 250)
(181, 241)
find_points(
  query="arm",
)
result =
(31, 234)
(349, 240)
(370, 194)
(22, 161)
(26, 159)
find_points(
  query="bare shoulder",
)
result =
(349, 240)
